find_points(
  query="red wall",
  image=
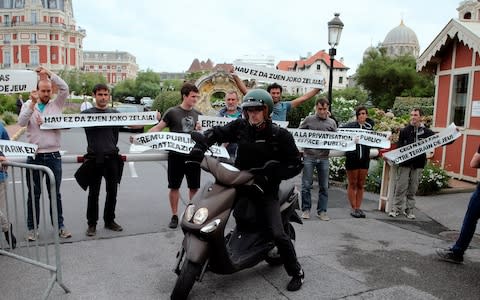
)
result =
(471, 147)
(463, 56)
(446, 63)
(442, 101)
(54, 50)
(73, 58)
(43, 54)
(475, 121)
(453, 157)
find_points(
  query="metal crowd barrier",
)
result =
(44, 252)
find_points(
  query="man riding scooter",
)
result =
(260, 141)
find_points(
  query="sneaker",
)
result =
(361, 213)
(323, 216)
(173, 222)
(449, 256)
(409, 215)
(394, 214)
(305, 214)
(32, 235)
(91, 230)
(296, 282)
(113, 226)
(355, 214)
(64, 233)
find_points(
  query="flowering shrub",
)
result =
(433, 179)
(388, 122)
(343, 109)
(337, 170)
(374, 178)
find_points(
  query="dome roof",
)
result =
(367, 51)
(401, 35)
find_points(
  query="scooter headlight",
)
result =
(200, 216)
(189, 211)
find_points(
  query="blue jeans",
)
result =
(321, 165)
(469, 223)
(54, 162)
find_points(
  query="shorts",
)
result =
(177, 168)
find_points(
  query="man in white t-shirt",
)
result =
(85, 105)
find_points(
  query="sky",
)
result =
(166, 36)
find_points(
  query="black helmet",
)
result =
(258, 97)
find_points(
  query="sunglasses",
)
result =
(255, 108)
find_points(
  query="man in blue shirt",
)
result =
(280, 108)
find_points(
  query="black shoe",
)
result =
(173, 222)
(113, 226)
(296, 282)
(356, 213)
(92, 230)
(13, 242)
(361, 213)
(449, 256)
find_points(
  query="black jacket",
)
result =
(410, 134)
(361, 152)
(257, 146)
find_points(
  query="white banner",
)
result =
(12, 148)
(208, 122)
(407, 152)
(17, 81)
(100, 119)
(307, 138)
(369, 137)
(283, 78)
(172, 141)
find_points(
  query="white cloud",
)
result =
(167, 36)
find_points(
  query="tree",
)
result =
(81, 83)
(147, 84)
(124, 89)
(386, 77)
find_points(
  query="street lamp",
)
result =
(335, 27)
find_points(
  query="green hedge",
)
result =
(404, 105)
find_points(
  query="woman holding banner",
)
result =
(357, 162)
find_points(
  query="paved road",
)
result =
(345, 258)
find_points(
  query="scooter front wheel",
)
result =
(188, 274)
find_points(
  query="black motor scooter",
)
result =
(207, 247)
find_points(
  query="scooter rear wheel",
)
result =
(188, 274)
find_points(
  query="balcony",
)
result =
(6, 42)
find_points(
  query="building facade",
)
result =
(454, 57)
(317, 64)
(115, 66)
(39, 32)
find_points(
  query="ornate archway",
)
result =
(217, 81)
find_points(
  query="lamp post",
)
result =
(335, 27)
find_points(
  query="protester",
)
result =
(316, 159)
(231, 110)
(7, 228)
(409, 172)
(259, 141)
(470, 220)
(85, 104)
(280, 108)
(102, 160)
(19, 104)
(182, 118)
(48, 141)
(357, 163)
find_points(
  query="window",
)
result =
(459, 99)
(340, 80)
(34, 17)
(7, 58)
(6, 39)
(319, 67)
(34, 57)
